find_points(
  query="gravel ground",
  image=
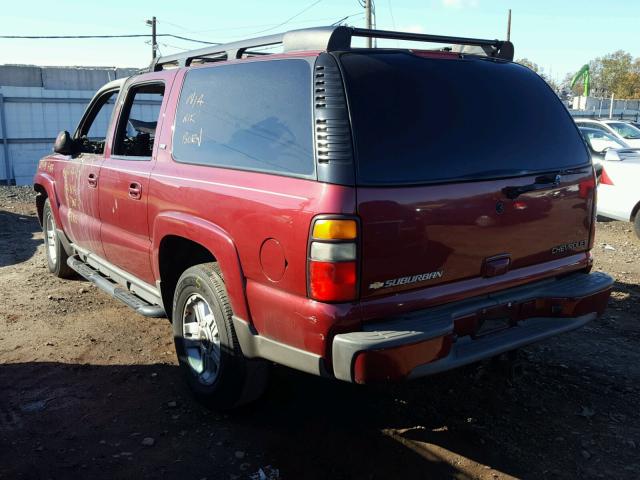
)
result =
(92, 390)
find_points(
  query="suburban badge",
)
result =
(395, 282)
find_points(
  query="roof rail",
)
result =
(321, 38)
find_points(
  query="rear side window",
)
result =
(250, 116)
(421, 120)
(138, 121)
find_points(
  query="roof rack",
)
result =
(322, 38)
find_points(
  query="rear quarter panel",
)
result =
(256, 212)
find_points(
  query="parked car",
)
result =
(618, 173)
(620, 129)
(604, 146)
(619, 199)
(305, 208)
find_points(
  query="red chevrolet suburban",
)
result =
(369, 215)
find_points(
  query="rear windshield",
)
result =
(421, 120)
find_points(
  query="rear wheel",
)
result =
(208, 350)
(636, 224)
(55, 253)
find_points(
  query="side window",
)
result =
(249, 116)
(138, 120)
(93, 130)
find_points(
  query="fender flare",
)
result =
(48, 183)
(215, 240)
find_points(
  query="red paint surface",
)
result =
(455, 228)
(394, 364)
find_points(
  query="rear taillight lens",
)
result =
(604, 178)
(332, 261)
(332, 282)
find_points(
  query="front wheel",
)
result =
(54, 251)
(636, 224)
(206, 344)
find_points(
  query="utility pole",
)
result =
(611, 106)
(367, 14)
(509, 27)
(154, 43)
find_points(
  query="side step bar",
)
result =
(104, 283)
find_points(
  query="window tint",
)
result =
(94, 129)
(254, 116)
(100, 124)
(418, 120)
(138, 121)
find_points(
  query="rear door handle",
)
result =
(543, 182)
(135, 190)
(92, 180)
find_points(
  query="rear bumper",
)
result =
(448, 336)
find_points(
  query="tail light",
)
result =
(332, 264)
(604, 178)
(588, 191)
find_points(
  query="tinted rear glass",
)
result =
(252, 116)
(420, 120)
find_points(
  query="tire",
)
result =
(208, 351)
(636, 224)
(53, 249)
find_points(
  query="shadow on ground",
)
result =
(16, 237)
(62, 421)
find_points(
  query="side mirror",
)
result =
(64, 144)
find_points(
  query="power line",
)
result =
(72, 37)
(187, 39)
(338, 22)
(184, 29)
(172, 46)
(49, 37)
(288, 19)
(393, 20)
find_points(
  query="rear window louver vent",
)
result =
(333, 132)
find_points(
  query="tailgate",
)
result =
(421, 236)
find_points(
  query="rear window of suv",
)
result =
(422, 120)
(248, 116)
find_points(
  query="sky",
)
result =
(558, 35)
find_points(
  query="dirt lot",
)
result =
(89, 389)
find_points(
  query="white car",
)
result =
(604, 146)
(619, 189)
(620, 129)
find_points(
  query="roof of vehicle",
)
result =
(332, 38)
(113, 84)
(602, 120)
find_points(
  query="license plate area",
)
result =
(489, 326)
(487, 321)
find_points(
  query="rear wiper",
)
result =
(543, 182)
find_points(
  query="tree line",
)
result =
(616, 73)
